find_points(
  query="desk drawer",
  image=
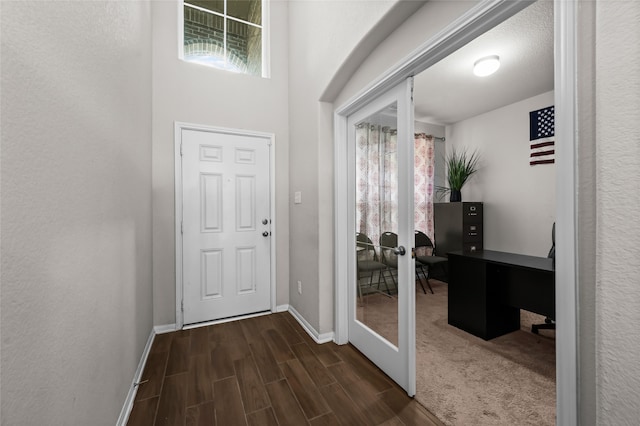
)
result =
(472, 232)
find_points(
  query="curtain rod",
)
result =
(387, 128)
(431, 136)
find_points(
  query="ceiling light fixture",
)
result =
(486, 66)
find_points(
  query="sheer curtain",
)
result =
(424, 164)
(377, 181)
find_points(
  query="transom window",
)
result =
(225, 34)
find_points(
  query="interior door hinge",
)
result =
(181, 227)
(182, 305)
(181, 149)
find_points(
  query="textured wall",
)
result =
(519, 199)
(76, 208)
(617, 82)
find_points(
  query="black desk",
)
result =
(488, 288)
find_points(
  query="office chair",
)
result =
(549, 323)
(423, 244)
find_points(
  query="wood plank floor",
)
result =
(265, 371)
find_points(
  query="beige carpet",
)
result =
(465, 380)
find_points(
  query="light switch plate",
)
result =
(297, 197)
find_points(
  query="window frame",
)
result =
(266, 62)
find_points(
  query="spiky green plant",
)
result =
(461, 165)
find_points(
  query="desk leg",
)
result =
(468, 296)
(502, 318)
(476, 303)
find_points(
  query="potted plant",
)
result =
(460, 166)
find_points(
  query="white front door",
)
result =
(380, 203)
(226, 225)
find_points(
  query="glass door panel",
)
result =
(376, 224)
(380, 187)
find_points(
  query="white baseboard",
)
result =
(166, 328)
(282, 308)
(133, 390)
(319, 338)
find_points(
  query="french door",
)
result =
(381, 295)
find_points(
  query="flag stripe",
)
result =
(542, 144)
(533, 163)
(542, 153)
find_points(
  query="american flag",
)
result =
(541, 136)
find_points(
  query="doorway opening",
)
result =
(510, 379)
(479, 20)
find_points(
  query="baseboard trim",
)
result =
(282, 308)
(166, 328)
(133, 390)
(319, 338)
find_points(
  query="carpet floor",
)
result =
(464, 380)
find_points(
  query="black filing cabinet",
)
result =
(458, 227)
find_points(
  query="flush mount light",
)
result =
(486, 66)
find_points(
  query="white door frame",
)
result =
(474, 22)
(178, 128)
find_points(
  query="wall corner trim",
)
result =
(166, 328)
(282, 308)
(133, 390)
(317, 337)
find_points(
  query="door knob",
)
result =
(265, 221)
(400, 251)
(265, 234)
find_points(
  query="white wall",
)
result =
(76, 208)
(617, 90)
(202, 95)
(519, 199)
(416, 30)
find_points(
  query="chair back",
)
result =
(388, 242)
(366, 247)
(423, 243)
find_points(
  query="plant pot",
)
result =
(455, 196)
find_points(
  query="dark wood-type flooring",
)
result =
(265, 371)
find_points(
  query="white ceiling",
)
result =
(449, 92)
